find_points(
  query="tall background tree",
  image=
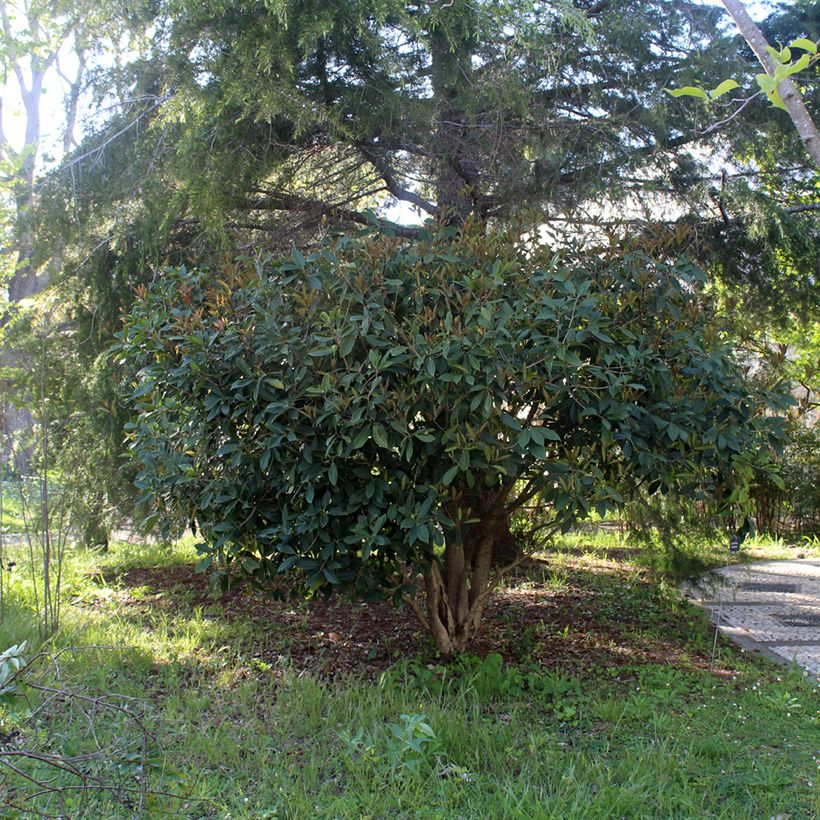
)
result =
(50, 45)
(52, 54)
(247, 127)
(244, 127)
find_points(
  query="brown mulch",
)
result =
(559, 628)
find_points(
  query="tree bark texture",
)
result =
(456, 175)
(458, 584)
(791, 97)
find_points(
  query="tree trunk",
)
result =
(23, 284)
(451, 54)
(457, 588)
(24, 281)
(505, 545)
(95, 535)
(788, 92)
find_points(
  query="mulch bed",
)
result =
(551, 628)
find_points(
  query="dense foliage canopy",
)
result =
(253, 125)
(379, 408)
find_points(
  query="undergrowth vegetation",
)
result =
(611, 706)
(12, 503)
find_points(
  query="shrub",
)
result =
(379, 409)
(790, 504)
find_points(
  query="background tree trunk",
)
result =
(26, 281)
(795, 106)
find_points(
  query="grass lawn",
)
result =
(12, 518)
(594, 692)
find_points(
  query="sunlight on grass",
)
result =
(246, 734)
(12, 520)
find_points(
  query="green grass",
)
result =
(12, 518)
(695, 553)
(238, 732)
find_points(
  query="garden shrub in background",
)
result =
(789, 504)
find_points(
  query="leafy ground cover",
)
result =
(593, 692)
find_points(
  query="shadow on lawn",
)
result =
(585, 616)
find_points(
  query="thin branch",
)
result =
(291, 202)
(100, 148)
(799, 209)
(717, 125)
(411, 602)
(388, 174)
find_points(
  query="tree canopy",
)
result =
(256, 126)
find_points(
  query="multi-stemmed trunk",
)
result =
(459, 582)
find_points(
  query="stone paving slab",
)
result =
(771, 607)
(766, 622)
(806, 656)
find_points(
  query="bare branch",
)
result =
(411, 602)
(718, 125)
(97, 149)
(291, 202)
(388, 174)
(72, 99)
(799, 209)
